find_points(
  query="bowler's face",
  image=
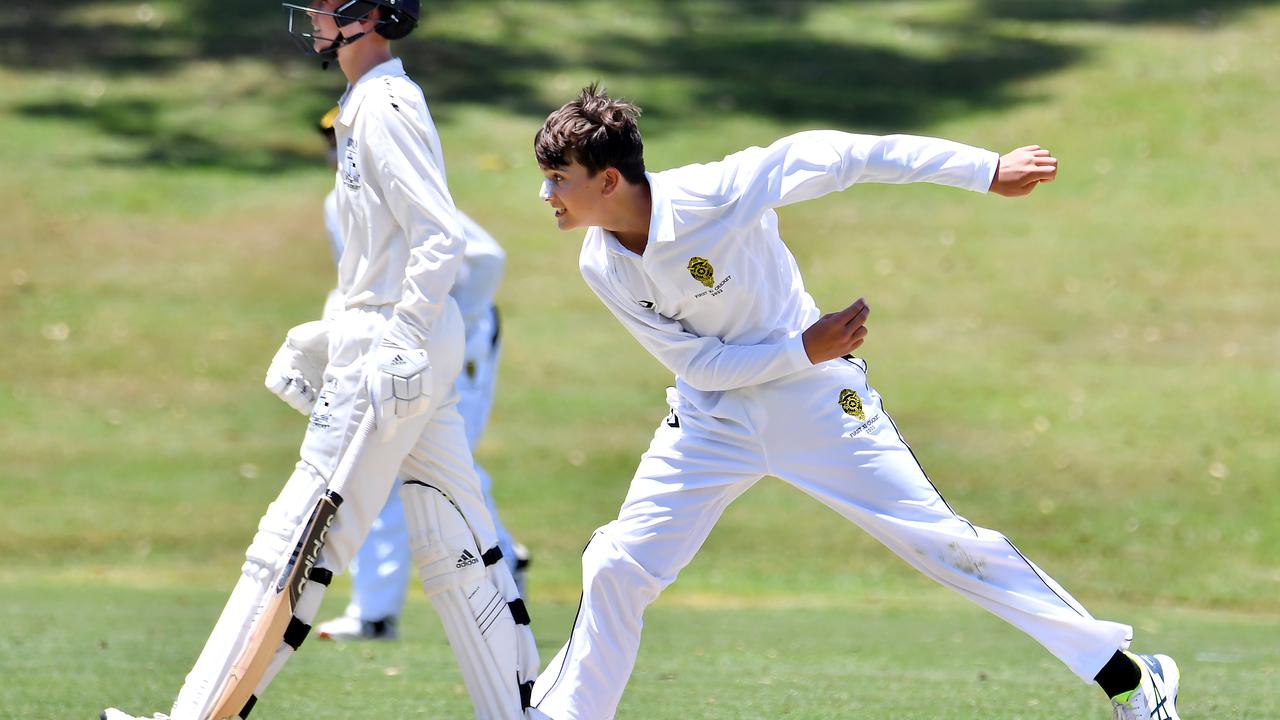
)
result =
(573, 194)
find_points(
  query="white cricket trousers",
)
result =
(848, 456)
(382, 567)
(431, 447)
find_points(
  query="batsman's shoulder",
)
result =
(392, 97)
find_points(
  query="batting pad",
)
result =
(527, 649)
(267, 557)
(475, 614)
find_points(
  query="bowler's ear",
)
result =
(612, 181)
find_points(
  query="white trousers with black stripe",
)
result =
(825, 432)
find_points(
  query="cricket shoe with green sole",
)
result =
(1156, 697)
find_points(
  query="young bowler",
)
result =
(690, 261)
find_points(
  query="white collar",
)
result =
(354, 95)
(661, 223)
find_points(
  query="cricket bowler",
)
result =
(690, 261)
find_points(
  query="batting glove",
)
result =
(297, 370)
(399, 383)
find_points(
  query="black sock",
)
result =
(1119, 675)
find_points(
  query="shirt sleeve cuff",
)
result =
(985, 172)
(796, 356)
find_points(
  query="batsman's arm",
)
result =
(333, 226)
(413, 181)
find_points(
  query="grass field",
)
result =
(1094, 370)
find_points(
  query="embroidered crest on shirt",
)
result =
(350, 173)
(852, 404)
(701, 270)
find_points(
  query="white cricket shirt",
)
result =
(481, 273)
(717, 297)
(404, 242)
(477, 280)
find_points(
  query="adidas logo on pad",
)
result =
(466, 558)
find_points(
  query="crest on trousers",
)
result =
(852, 404)
(701, 270)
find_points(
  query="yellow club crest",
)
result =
(852, 404)
(701, 270)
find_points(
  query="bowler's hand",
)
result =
(837, 334)
(1021, 170)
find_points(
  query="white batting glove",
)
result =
(296, 372)
(399, 383)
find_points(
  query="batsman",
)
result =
(384, 404)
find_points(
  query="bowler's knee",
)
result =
(609, 570)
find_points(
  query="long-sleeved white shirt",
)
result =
(717, 297)
(404, 240)
(481, 273)
(476, 282)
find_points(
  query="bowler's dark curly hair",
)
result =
(597, 131)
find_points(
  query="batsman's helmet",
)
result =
(398, 19)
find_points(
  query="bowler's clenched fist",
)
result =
(1021, 170)
(837, 334)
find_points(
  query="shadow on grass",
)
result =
(756, 57)
(163, 146)
(1200, 12)
(801, 80)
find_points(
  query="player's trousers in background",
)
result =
(824, 431)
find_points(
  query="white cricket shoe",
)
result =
(1157, 695)
(353, 628)
(114, 714)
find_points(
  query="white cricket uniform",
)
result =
(381, 569)
(718, 299)
(403, 249)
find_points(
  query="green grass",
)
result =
(1093, 370)
(917, 656)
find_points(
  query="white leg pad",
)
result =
(527, 662)
(305, 614)
(278, 533)
(474, 612)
